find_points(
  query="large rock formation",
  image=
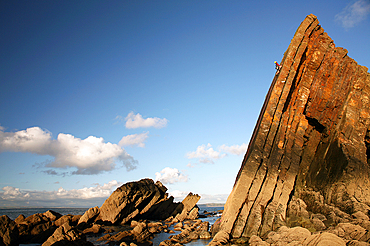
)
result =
(142, 199)
(38, 227)
(311, 141)
(187, 209)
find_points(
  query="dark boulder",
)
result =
(8, 231)
(36, 228)
(66, 235)
(143, 200)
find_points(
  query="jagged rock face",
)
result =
(142, 199)
(131, 200)
(313, 133)
(8, 231)
(187, 209)
(38, 227)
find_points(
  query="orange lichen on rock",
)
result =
(312, 135)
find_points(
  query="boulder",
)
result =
(89, 216)
(41, 232)
(360, 216)
(132, 200)
(221, 237)
(72, 219)
(257, 241)
(8, 231)
(192, 230)
(324, 239)
(349, 231)
(52, 215)
(297, 208)
(141, 233)
(178, 225)
(66, 235)
(94, 229)
(318, 225)
(36, 228)
(143, 200)
(20, 219)
(205, 235)
(193, 213)
(285, 235)
(184, 209)
(357, 243)
(162, 209)
(156, 227)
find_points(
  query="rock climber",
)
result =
(277, 66)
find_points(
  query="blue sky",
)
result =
(95, 94)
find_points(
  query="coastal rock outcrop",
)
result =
(192, 230)
(187, 209)
(38, 227)
(8, 231)
(130, 200)
(66, 235)
(311, 142)
(142, 199)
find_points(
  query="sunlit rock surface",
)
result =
(311, 140)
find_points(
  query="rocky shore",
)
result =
(306, 225)
(303, 181)
(142, 208)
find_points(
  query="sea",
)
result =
(212, 212)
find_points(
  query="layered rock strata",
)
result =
(134, 199)
(142, 199)
(187, 209)
(312, 138)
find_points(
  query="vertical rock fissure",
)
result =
(239, 221)
(294, 185)
(245, 229)
(268, 204)
(367, 144)
(294, 82)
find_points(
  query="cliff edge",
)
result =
(311, 141)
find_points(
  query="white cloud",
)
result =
(170, 175)
(136, 121)
(90, 156)
(205, 154)
(234, 149)
(58, 197)
(89, 192)
(33, 140)
(354, 13)
(217, 198)
(178, 195)
(12, 193)
(134, 139)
